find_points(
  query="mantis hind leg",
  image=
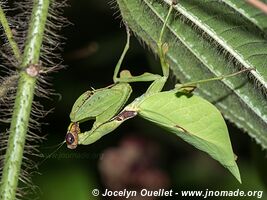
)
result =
(188, 87)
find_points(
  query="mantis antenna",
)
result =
(58, 147)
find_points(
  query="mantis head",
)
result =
(72, 135)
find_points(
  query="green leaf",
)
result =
(208, 39)
(193, 119)
(247, 48)
(252, 14)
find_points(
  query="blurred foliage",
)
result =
(93, 45)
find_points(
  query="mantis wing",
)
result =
(193, 119)
(102, 103)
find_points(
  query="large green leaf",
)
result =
(251, 13)
(193, 119)
(209, 38)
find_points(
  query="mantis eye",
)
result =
(70, 139)
(72, 135)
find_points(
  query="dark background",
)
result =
(92, 47)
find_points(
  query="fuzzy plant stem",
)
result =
(23, 102)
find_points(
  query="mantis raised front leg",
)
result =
(104, 104)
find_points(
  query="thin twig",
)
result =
(9, 35)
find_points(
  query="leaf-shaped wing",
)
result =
(193, 119)
(102, 103)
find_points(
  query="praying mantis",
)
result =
(179, 111)
(104, 104)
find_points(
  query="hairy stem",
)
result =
(6, 84)
(9, 35)
(23, 102)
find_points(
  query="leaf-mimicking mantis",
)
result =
(179, 111)
(104, 104)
